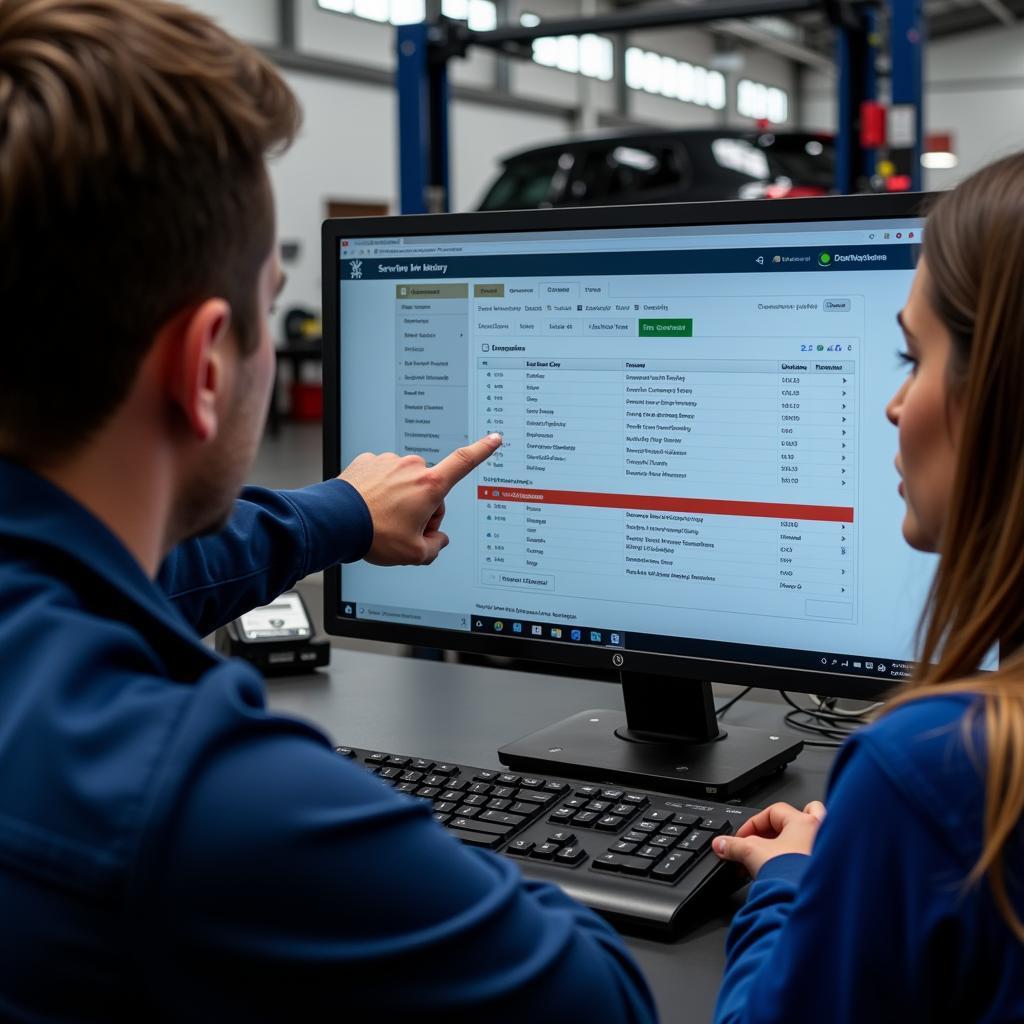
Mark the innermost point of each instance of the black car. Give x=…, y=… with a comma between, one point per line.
x=667, y=166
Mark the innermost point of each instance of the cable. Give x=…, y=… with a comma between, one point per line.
x=729, y=703
x=833, y=724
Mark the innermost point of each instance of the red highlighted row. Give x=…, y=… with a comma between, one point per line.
x=659, y=503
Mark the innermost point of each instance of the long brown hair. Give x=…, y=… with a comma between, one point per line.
x=974, y=251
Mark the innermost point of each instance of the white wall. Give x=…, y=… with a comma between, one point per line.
x=974, y=89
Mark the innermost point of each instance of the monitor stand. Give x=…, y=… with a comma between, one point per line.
x=668, y=739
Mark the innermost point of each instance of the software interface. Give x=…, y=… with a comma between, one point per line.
x=696, y=458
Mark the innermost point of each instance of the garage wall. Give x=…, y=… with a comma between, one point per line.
x=348, y=145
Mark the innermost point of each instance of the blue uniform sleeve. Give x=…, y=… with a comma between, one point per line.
x=273, y=539
x=293, y=885
x=870, y=927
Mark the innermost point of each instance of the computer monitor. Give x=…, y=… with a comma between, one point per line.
x=696, y=481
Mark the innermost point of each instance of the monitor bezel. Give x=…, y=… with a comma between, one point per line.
x=567, y=653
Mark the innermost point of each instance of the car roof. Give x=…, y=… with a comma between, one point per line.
x=656, y=135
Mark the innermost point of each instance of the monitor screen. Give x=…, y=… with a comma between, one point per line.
x=697, y=471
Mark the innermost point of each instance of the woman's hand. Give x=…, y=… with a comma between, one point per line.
x=778, y=829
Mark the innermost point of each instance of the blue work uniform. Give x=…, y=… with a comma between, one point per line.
x=172, y=850
x=878, y=923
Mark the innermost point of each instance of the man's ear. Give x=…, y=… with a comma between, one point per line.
x=195, y=369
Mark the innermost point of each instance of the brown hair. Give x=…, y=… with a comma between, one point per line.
x=974, y=251
x=132, y=184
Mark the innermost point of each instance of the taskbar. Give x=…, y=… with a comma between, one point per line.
x=830, y=662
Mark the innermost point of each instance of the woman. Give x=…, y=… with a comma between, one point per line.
x=911, y=906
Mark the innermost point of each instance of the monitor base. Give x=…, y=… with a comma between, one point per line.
x=591, y=745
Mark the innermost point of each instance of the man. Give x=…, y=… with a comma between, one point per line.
x=170, y=850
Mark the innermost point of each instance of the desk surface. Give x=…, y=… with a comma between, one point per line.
x=462, y=713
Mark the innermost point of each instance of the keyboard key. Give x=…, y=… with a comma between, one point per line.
x=475, y=838
x=428, y=791
x=445, y=806
x=396, y=761
x=669, y=869
x=451, y=794
x=555, y=787
x=493, y=828
x=455, y=784
x=531, y=782
x=562, y=814
x=575, y=801
x=500, y=817
x=485, y=776
x=420, y=765
x=623, y=809
x=584, y=818
x=532, y=796
x=635, y=798
x=563, y=838
x=474, y=800
x=696, y=840
x=598, y=805
x=521, y=808
x=507, y=779
x=663, y=841
x=406, y=787
x=588, y=791
x=480, y=787
x=544, y=851
x=498, y=805
x=646, y=826
x=686, y=820
x=345, y=751
x=717, y=823
x=673, y=830
x=519, y=847
x=376, y=758
x=650, y=852
x=634, y=865
x=435, y=780
x=441, y=817
x=635, y=837
x=467, y=812
x=658, y=816
x=503, y=792
x=390, y=773
x=411, y=776
x=607, y=862
x=622, y=847
x=570, y=855
x=611, y=794
x=445, y=769
x=608, y=823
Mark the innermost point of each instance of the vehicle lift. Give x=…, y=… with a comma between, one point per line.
x=425, y=49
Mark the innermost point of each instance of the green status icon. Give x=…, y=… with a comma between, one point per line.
x=824, y=258
x=821, y=348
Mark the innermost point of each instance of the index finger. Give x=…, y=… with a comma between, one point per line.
x=768, y=822
x=463, y=461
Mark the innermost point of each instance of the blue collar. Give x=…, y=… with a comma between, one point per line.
x=44, y=523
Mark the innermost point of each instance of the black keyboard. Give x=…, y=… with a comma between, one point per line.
x=641, y=859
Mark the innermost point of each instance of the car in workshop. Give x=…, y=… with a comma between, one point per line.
x=666, y=166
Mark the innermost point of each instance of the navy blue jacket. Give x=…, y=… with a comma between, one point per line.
x=878, y=924
x=171, y=850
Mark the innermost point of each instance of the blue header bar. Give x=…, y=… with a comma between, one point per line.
x=821, y=259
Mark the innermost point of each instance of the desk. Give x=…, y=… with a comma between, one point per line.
x=464, y=713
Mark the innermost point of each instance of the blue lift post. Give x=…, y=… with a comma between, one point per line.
x=906, y=41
